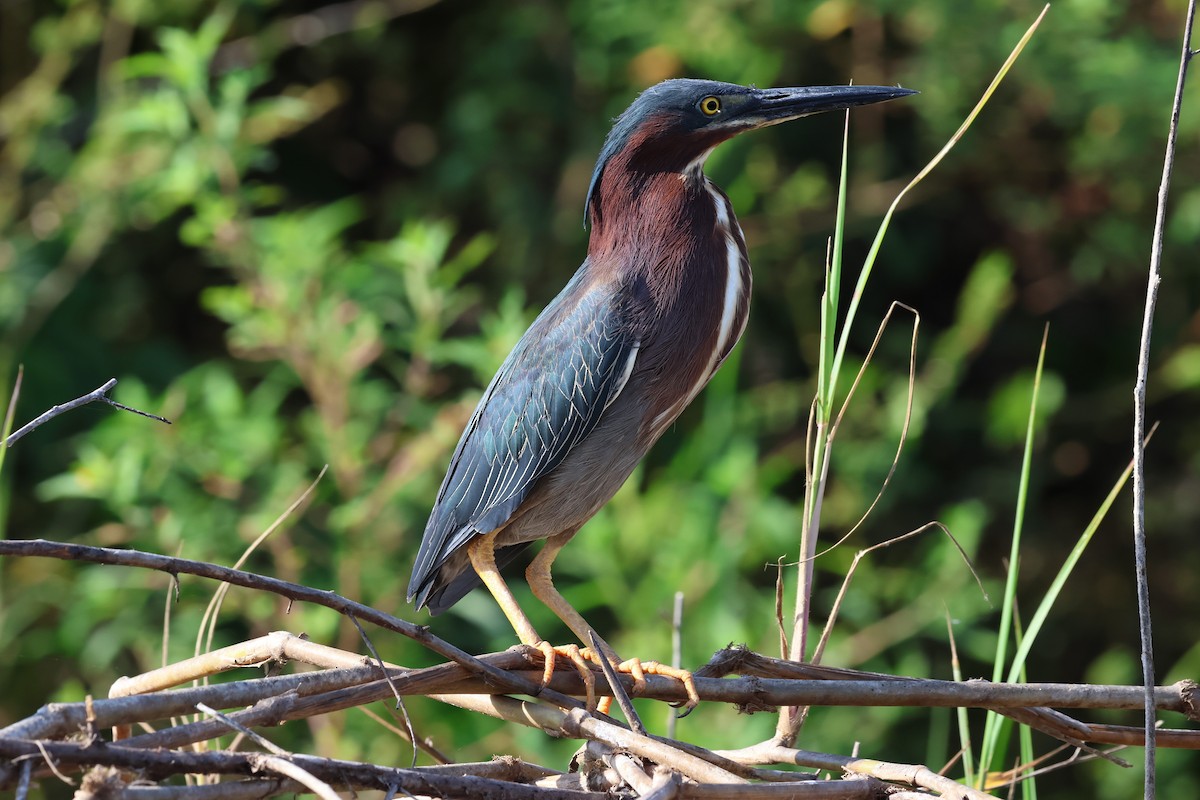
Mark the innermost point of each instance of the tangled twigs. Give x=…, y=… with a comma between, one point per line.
x=615, y=759
x=97, y=395
x=163, y=763
x=292, y=591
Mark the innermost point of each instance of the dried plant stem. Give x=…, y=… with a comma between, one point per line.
x=293, y=591
x=1139, y=404
x=649, y=765
x=97, y=395
x=160, y=763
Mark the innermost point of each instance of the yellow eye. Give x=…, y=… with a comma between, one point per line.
x=710, y=106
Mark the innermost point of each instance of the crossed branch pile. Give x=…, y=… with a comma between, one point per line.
x=72, y=737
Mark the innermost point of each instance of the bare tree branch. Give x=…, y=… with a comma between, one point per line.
x=648, y=765
x=97, y=395
x=293, y=591
x=1139, y=405
x=157, y=764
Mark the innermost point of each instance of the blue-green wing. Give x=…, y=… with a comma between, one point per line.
x=547, y=397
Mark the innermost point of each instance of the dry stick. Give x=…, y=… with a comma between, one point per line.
x=409, y=732
x=52, y=766
x=26, y=775
x=618, y=691
x=666, y=785
x=249, y=789
x=70, y=716
x=500, y=768
x=606, y=731
x=1074, y=759
x=850, y=789
x=908, y=405
x=676, y=654
x=418, y=633
x=290, y=770
x=770, y=682
x=281, y=706
x=277, y=647
x=629, y=770
x=279, y=761
x=166, y=763
x=911, y=774
x=858, y=557
x=1019, y=701
x=1139, y=405
x=233, y=724
x=1052, y=722
x=415, y=682
x=578, y=724
x=667, y=686
x=421, y=781
x=425, y=743
x=96, y=395
x=745, y=693
x=875, y=690
x=446, y=681
x=795, y=717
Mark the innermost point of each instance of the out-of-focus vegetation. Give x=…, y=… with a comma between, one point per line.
x=308, y=234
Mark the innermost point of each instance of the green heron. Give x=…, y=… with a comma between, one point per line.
x=658, y=304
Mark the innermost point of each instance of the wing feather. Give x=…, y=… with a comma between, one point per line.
x=547, y=397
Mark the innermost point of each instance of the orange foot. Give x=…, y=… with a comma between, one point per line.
x=635, y=668
x=578, y=657
x=638, y=670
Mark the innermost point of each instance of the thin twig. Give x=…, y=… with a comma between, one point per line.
x=614, y=683
x=98, y=395
x=841, y=595
x=291, y=770
x=26, y=775
x=408, y=726
x=156, y=763
x=259, y=739
x=325, y=691
x=293, y=591
x=676, y=654
x=1139, y=405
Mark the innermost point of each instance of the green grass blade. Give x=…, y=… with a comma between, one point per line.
x=869, y=263
x=10, y=413
x=832, y=296
x=992, y=725
x=1025, y=735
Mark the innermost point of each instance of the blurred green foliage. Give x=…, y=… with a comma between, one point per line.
x=309, y=233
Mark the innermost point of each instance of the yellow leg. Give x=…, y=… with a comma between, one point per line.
x=482, y=552
x=538, y=576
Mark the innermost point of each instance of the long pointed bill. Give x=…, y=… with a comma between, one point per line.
x=772, y=106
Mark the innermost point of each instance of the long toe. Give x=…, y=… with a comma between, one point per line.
x=640, y=669
x=576, y=657
x=550, y=654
